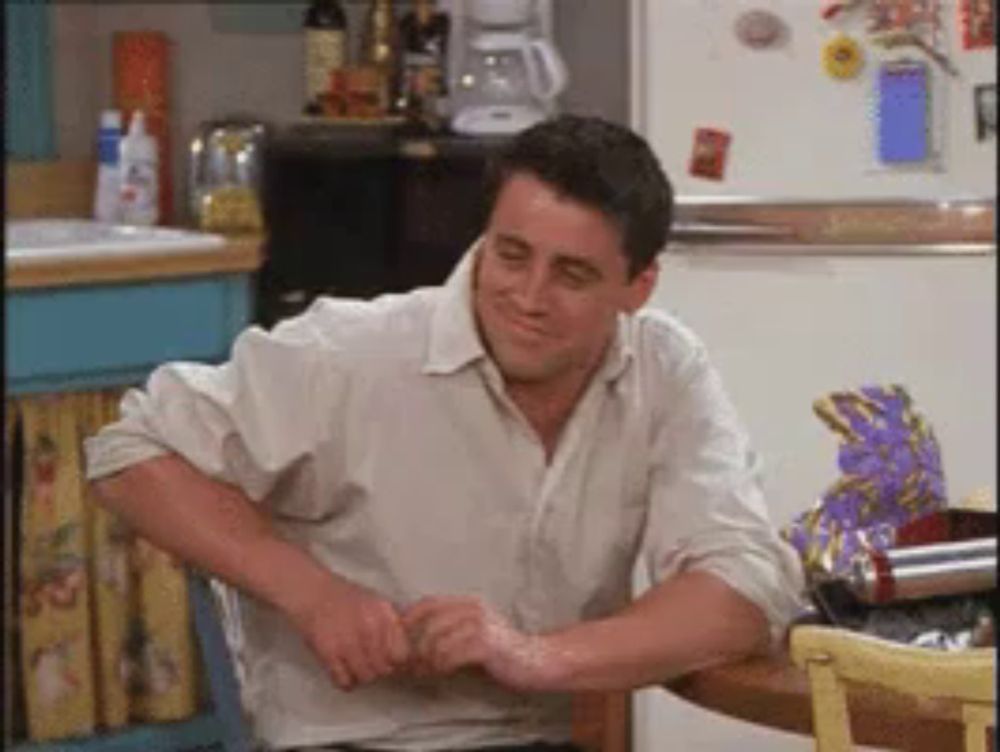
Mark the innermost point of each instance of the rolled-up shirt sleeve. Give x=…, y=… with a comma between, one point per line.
x=243, y=422
x=707, y=508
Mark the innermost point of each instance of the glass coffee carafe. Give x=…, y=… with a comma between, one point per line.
x=508, y=82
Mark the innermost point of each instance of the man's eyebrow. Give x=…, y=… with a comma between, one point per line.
x=514, y=240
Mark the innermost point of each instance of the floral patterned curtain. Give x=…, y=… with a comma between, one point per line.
x=104, y=623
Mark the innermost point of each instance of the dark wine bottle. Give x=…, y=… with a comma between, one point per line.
x=423, y=37
x=380, y=49
x=326, y=49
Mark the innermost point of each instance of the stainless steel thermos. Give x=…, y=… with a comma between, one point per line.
x=924, y=571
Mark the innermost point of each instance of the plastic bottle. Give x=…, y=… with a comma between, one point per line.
x=139, y=166
x=106, y=195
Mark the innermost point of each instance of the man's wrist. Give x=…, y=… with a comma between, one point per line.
x=550, y=663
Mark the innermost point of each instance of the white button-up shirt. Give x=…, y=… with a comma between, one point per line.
x=380, y=437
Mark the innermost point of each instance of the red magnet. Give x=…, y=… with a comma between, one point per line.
x=708, y=157
x=976, y=19
x=830, y=9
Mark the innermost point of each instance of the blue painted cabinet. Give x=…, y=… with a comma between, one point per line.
x=90, y=336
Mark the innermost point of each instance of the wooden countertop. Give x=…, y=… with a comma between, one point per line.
x=240, y=255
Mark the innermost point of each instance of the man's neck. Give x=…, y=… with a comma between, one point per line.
x=548, y=405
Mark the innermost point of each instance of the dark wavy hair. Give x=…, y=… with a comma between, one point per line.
x=600, y=164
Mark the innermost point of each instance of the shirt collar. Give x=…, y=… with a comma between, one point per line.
x=454, y=337
x=621, y=351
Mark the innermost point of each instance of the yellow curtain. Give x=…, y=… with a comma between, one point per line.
x=105, y=626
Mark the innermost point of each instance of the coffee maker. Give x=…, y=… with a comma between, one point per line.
x=504, y=71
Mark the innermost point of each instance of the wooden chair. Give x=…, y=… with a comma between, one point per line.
x=232, y=730
x=832, y=657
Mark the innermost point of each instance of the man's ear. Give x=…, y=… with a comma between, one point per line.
x=641, y=287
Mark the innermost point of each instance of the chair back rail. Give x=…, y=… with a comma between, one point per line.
x=833, y=657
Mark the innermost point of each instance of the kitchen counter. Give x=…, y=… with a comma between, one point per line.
x=239, y=255
x=109, y=304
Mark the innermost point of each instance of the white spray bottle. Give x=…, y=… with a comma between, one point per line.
x=139, y=196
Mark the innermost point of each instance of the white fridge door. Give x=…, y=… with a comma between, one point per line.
x=784, y=331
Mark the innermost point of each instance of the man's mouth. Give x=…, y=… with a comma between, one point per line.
x=523, y=328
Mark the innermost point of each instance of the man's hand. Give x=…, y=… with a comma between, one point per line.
x=453, y=632
x=357, y=634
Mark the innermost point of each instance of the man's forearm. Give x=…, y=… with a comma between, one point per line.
x=688, y=622
x=215, y=527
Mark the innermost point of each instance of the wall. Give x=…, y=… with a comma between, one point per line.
x=213, y=74
x=221, y=73
x=593, y=37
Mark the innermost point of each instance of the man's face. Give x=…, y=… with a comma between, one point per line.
x=551, y=278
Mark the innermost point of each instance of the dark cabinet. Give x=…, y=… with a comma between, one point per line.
x=356, y=212
x=440, y=210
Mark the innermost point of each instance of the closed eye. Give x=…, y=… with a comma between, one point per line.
x=577, y=273
x=511, y=249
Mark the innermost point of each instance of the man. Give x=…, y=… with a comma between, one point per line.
x=432, y=502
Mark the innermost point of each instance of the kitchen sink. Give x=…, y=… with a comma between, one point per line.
x=45, y=240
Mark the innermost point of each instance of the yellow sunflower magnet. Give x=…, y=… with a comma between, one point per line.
x=842, y=57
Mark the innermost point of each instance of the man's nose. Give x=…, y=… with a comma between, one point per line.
x=533, y=289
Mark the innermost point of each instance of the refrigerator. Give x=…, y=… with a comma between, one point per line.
x=808, y=261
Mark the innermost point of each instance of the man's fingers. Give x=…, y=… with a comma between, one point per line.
x=436, y=626
x=419, y=611
x=395, y=643
x=435, y=635
x=364, y=649
x=427, y=607
x=362, y=664
x=459, y=647
x=385, y=643
x=341, y=676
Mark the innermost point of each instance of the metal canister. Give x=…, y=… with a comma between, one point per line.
x=925, y=571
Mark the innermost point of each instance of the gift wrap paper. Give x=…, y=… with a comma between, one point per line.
x=890, y=473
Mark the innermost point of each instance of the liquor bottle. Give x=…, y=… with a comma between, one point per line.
x=379, y=49
x=326, y=49
x=423, y=37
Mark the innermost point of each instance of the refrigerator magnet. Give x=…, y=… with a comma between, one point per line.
x=977, y=23
x=985, y=98
x=842, y=57
x=903, y=112
x=760, y=29
x=708, y=155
